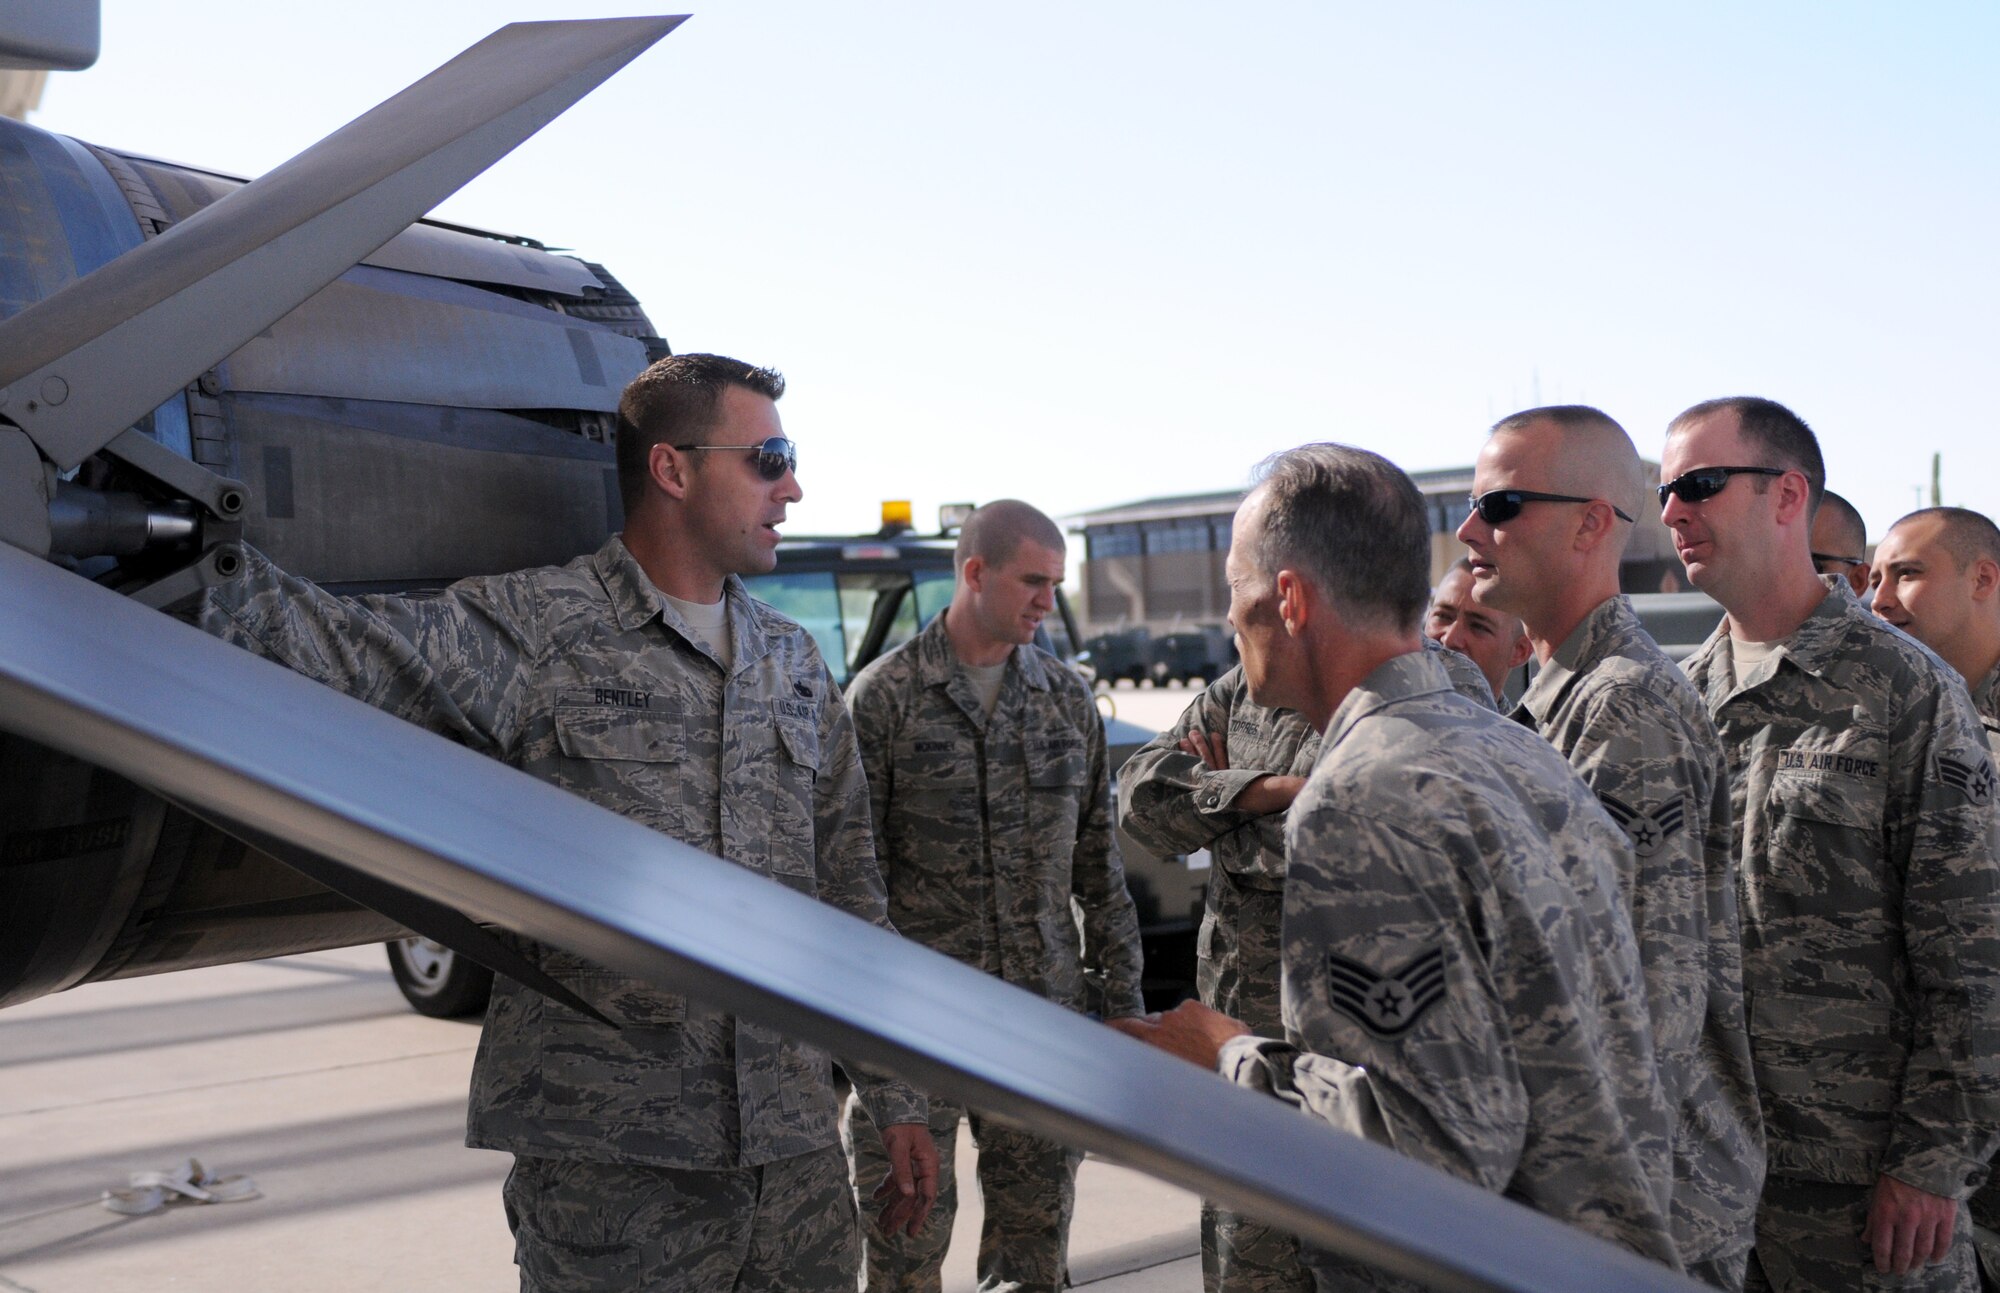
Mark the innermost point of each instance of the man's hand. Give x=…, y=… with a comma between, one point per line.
x=1268, y=794
x=1908, y=1228
x=912, y=1185
x=1190, y=1030
x=1210, y=747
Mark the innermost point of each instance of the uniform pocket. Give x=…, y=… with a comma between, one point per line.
x=1831, y=1072
x=1058, y=776
x=636, y=736
x=1824, y=858
x=794, y=859
x=631, y=761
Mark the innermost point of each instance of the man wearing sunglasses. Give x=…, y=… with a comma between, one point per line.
x=684, y=1149
x=989, y=788
x=1555, y=489
x=1840, y=542
x=1865, y=831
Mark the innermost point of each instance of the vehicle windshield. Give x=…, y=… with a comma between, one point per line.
x=847, y=611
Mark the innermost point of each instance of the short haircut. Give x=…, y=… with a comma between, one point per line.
x=994, y=532
x=1967, y=535
x=1775, y=431
x=1353, y=523
x=1597, y=459
x=674, y=402
x=1853, y=529
x=1567, y=416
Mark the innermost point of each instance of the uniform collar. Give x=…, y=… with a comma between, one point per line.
x=635, y=601
x=1986, y=697
x=1415, y=673
x=1589, y=643
x=1812, y=646
x=937, y=662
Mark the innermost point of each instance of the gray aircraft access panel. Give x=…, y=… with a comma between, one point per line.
x=242, y=740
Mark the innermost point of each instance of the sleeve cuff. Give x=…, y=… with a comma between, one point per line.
x=888, y=1100
x=1934, y=1169
x=1216, y=791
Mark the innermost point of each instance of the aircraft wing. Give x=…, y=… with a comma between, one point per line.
x=95, y=675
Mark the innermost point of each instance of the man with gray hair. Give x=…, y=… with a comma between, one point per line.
x=1222, y=778
x=990, y=793
x=1461, y=982
x=1554, y=493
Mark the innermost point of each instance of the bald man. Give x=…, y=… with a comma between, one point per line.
x=990, y=793
x=1840, y=543
x=1493, y=640
x=1555, y=493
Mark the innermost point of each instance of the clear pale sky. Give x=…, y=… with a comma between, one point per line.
x=1085, y=253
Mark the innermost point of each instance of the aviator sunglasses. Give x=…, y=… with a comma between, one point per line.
x=772, y=459
x=1704, y=483
x=1499, y=506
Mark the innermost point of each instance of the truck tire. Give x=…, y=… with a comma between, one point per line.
x=437, y=981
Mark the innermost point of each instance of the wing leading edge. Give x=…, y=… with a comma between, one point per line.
x=100, y=677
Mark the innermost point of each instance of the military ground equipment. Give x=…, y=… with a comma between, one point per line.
x=144, y=434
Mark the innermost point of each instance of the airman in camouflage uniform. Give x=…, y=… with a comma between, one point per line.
x=992, y=822
x=1862, y=795
x=1636, y=732
x=1461, y=981
x=1491, y=639
x=1173, y=800
x=1937, y=578
x=687, y=1149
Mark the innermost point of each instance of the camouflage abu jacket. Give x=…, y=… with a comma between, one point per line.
x=583, y=676
x=1461, y=979
x=1172, y=803
x=1634, y=728
x=1862, y=794
x=995, y=834
x=1986, y=700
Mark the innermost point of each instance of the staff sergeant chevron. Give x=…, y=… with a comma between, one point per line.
x=1387, y=1005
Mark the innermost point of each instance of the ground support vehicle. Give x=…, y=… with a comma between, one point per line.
x=1125, y=655
x=1196, y=656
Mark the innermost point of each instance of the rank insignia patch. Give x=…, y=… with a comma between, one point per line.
x=1648, y=828
x=1387, y=1005
x=1973, y=780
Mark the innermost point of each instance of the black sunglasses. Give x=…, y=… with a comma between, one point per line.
x=1499, y=506
x=1828, y=559
x=772, y=459
x=1704, y=483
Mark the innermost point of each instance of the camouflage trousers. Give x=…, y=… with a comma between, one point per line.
x=1239, y=1255
x=1026, y=1184
x=1809, y=1241
x=586, y=1227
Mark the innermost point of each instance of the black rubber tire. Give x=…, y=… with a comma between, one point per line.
x=438, y=982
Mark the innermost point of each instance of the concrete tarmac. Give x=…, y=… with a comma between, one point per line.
x=312, y=1075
